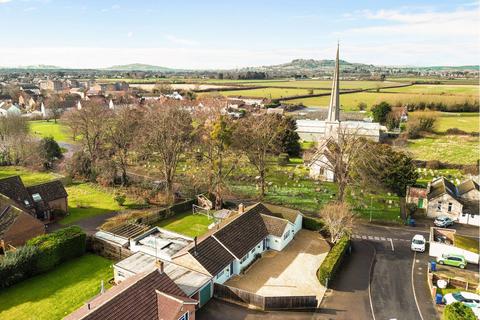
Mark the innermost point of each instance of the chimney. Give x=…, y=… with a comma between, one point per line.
x=159, y=265
x=195, y=248
x=241, y=208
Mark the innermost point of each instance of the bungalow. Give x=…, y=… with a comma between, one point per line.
x=40, y=200
x=16, y=225
x=150, y=295
x=235, y=243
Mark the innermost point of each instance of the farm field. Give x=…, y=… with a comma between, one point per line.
x=58, y=131
x=450, y=148
x=350, y=101
x=327, y=84
x=57, y=293
x=270, y=93
x=469, y=81
x=187, y=223
x=469, y=90
x=466, y=121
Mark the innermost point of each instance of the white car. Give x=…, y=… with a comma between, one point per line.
x=443, y=222
x=471, y=300
x=418, y=243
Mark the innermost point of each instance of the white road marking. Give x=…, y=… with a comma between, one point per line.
x=382, y=238
x=364, y=237
x=413, y=286
x=391, y=242
x=370, y=237
x=376, y=238
x=370, y=281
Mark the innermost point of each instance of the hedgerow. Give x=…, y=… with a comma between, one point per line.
x=332, y=261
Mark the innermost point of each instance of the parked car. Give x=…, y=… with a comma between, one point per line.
x=443, y=221
x=418, y=243
x=454, y=260
x=471, y=300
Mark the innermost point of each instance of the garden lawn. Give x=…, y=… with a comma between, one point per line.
x=29, y=177
x=467, y=243
x=466, y=121
x=57, y=293
x=187, y=223
x=58, y=131
x=87, y=200
x=446, y=148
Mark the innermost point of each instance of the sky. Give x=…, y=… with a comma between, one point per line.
x=227, y=34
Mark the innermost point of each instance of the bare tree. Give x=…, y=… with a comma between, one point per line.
x=89, y=123
x=166, y=133
x=55, y=103
x=15, y=141
x=120, y=134
x=340, y=155
x=214, y=137
x=257, y=136
x=338, y=219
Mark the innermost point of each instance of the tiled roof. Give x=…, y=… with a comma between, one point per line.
x=467, y=186
x=275, y=226
x=441, y=186
x=14, y=188
x=244, y=232
x=135, y=298
x=211, y=255
x=417, y=192
x=281, y=212
x=8, y=214
x=49, y=191
x=170, y=306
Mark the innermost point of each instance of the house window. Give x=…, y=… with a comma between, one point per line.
x=244, y=258
x=450, y=207
x=439, y=206
x=220, y=274
x=36, y=197
x=285, y=236
x=322, y=171
x=184, y=317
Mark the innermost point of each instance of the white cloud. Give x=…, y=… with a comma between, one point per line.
x=182, y=41
x=4, y=1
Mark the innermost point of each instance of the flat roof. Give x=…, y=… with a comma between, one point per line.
x=188, y=280
x=160, y=242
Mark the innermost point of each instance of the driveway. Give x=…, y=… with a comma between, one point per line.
x=291, y=272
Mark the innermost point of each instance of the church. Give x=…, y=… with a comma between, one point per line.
x=325, y=132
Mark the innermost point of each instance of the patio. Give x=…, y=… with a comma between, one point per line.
x=291, y=272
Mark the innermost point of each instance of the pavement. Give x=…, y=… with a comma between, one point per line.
x=291, y=272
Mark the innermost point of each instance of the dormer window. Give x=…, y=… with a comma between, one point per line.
x=36, y=197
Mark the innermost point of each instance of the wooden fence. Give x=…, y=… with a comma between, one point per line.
x=249, y=299
x=455, y=282
x=157, y=215
x=107, y=249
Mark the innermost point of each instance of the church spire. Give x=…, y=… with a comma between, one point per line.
x=334, y=107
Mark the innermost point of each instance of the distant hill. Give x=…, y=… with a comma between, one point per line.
x=35, y=67
x=138, y=67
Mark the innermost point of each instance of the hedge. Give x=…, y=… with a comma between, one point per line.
x=458, y=310
x=59, y=246
x=41, y=254
x=332, y=261
x=310, y=223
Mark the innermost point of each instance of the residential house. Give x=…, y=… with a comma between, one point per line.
x=150, y=296
x=236, y=242
x=443, y=198
x=51, y=85
x=16, y=225
x=39, y=200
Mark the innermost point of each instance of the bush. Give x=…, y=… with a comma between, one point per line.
x=120, y=199
x=380, y=112
x=332, y=261
x=457, y=311
x=313, y=224
x=433, y=164
x=57, y=247
x=455, y=131
x=18, y=265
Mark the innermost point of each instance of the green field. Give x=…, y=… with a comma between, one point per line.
x=350, y=101
x=187, y=223
x=270, y=93
x=468, y=122
x=469, y=90
x=57, y=293
x=452, y=149
x=29, y=177
x=326, y=84
x=58, y=131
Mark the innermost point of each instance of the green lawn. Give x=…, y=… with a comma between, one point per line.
x=466, y=121
x=290, y=186
x=58, y=131
x=187, y=223
x=452, y=149
x=87, y=200
x=467, y=243
x=350, y=101
x=29, y=177
x=57, y=293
